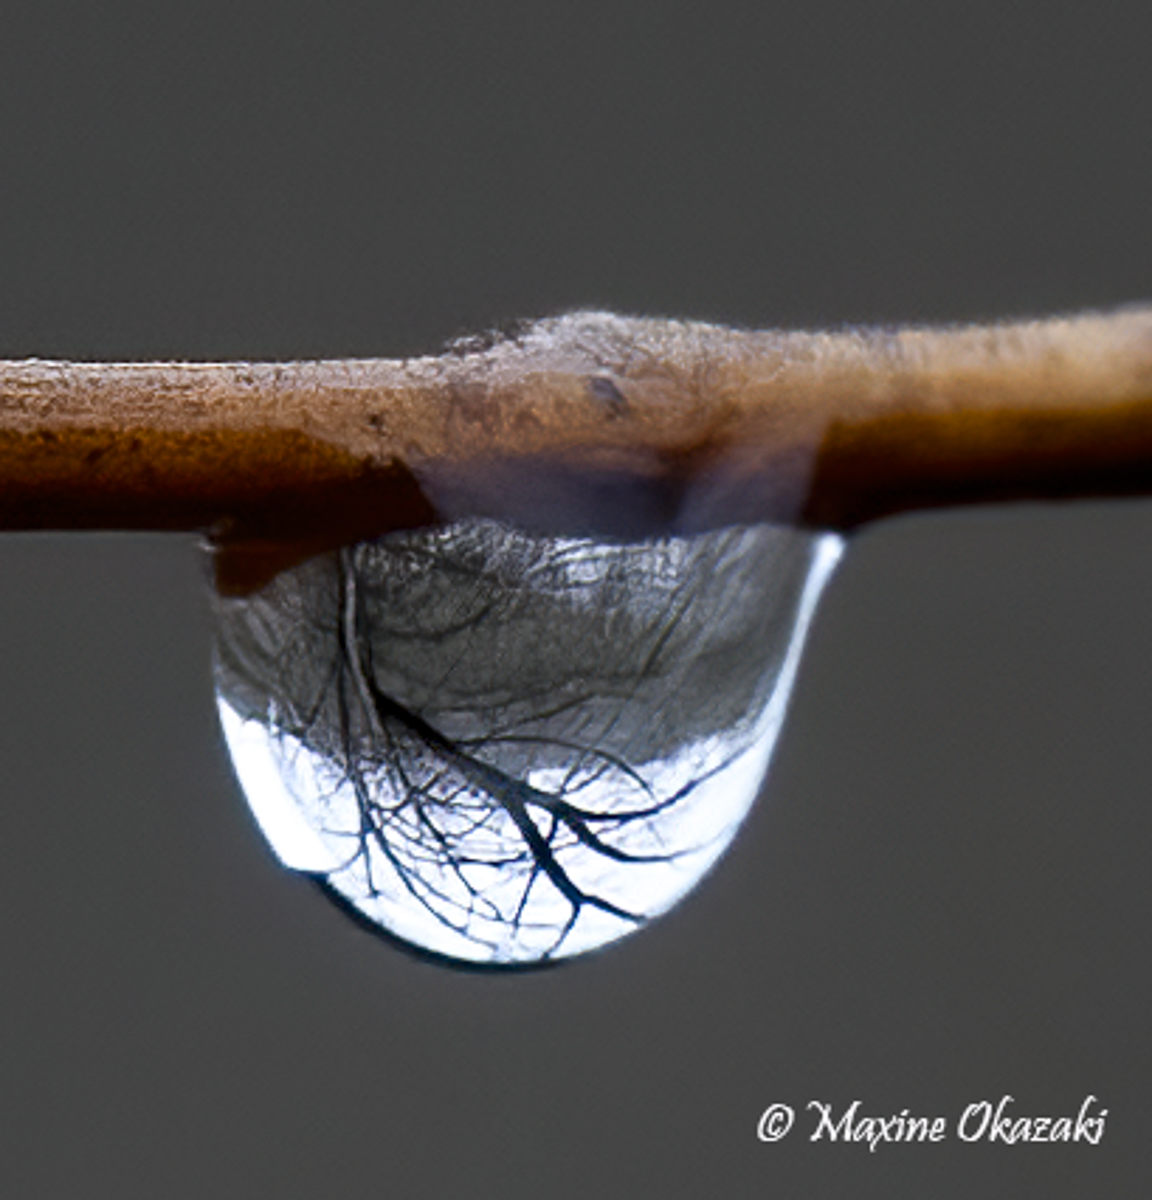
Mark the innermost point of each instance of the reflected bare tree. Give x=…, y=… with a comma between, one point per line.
x=519, y=747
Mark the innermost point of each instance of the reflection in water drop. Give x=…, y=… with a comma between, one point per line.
x=504, y=748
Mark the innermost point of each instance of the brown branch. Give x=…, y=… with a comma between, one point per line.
x=587, y=421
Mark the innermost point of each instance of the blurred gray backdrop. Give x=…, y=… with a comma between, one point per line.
x=942, y=895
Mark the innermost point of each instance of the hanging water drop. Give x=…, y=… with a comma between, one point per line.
x=504, y=748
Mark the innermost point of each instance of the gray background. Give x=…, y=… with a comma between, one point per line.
x=943, y=895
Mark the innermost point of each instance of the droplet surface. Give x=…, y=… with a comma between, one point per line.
x=505, y=748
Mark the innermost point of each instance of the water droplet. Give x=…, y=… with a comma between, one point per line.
x=505, y=748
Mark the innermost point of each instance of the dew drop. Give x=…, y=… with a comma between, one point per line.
x=504, y=748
